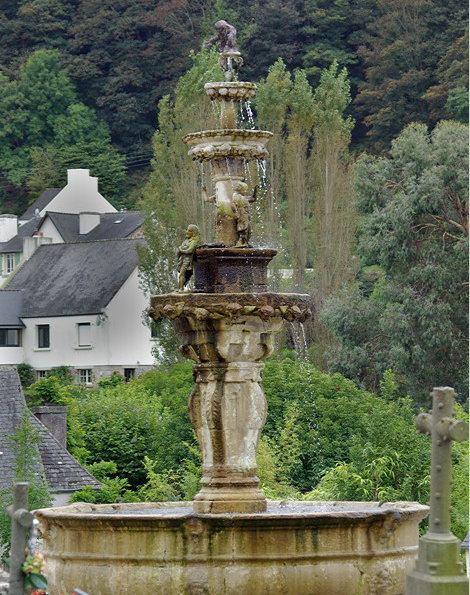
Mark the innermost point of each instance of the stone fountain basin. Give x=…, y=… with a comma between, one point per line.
x=213, y=145
x=294, y=548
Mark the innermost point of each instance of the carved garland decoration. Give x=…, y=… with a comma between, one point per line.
x=230, y=311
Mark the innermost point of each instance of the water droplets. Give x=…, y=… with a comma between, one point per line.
x=246, y=119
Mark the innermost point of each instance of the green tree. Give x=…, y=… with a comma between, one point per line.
x=326, y=30
x=415, y=228
x=401, y=50
x=44, y=130
x=449, y=97
x=80, y=141
x=298, y=189
x=334, y=216
x=24, y=442
x=172, y=198
x=125, y=56
x=147, y=416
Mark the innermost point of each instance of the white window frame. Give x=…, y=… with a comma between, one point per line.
x=85, y=376
x=9, y=263
x=41, y=374
x=83, y=339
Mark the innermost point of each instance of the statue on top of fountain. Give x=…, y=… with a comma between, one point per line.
x=226, y=41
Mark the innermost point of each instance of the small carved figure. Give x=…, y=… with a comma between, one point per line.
x=241, y=211
x=226, y=41
x=226, y=38
x=186, y=256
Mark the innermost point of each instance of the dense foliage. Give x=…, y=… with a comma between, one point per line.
x=415, y=229
x=45, y=129
x=407, y=61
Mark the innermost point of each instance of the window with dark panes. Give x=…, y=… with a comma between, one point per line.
x=9, y=337
x=43, y=336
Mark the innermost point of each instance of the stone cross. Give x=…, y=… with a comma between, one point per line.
x=438, y=569
x=21, y=520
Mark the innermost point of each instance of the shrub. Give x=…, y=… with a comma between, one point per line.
x=26, y=374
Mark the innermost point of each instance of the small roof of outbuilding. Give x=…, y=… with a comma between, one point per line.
x=61, y=470
x=11, y=303
x=464, y=544
x=74, y=279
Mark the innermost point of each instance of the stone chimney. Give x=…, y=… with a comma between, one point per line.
x=32, y=243
x=54, y=417
x=8, y=227
x=88, y=221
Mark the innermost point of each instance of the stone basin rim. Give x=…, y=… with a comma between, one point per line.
x=352, y=510
x=228, y=132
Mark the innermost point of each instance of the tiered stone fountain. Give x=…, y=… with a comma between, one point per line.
x=230, y=540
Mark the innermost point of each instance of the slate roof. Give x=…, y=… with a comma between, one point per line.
x=74, y=279
x=10, y=308
x=11, y=408
x=62, y=471
x=67, y=225
x=42, y=201
x=114, y=225
x=16, y=243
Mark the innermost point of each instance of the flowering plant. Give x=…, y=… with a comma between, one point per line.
x=33, y=567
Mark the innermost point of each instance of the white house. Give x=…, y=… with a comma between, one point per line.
x=79, y=305
x=77, y=212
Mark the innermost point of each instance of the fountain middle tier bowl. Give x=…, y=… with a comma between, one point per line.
x=231, y=306
x=293, y=548
x=229, y=143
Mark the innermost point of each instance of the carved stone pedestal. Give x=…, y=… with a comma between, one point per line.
x=228, y=336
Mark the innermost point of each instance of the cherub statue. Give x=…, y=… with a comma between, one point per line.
x=226, y=41
x=226, y=38
x=241, y=211
x=186, y=256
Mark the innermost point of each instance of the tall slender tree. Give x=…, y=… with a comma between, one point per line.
x=334, y=217
x=298, y=188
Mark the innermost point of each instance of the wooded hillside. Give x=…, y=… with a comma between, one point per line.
x=113, y=61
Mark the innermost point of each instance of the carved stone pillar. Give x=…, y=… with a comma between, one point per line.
x=228, y=336
x=228, y=408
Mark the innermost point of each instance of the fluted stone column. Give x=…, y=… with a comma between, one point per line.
x=227, y=407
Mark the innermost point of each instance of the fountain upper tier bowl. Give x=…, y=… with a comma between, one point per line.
x=213, y=145
x=230, y=91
